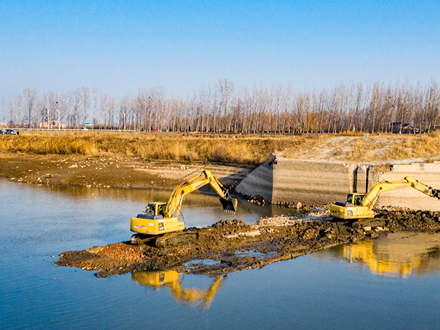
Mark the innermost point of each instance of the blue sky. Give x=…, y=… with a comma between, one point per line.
x=121, y=46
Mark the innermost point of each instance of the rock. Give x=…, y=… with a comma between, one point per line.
x=329, y=236
x=309, y=234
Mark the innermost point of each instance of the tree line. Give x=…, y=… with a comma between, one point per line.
x=221, y=107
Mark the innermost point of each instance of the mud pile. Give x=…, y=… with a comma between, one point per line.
x=231, y=246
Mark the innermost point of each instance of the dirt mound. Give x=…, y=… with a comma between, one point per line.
x=231, y=225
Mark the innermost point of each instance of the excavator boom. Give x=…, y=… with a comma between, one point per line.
x=175, y=201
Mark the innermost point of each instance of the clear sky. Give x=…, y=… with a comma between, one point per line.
x=121, y=46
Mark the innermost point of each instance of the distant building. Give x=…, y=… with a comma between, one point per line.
x=89, y=125
x=3, y=125
x=53, y=124
x=406, y=127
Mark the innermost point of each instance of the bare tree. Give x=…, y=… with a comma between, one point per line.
x=226, y=90
x=95, y=105
x=85, y=93
x=30, y=97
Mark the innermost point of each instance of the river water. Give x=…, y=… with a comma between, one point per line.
x=390, y=283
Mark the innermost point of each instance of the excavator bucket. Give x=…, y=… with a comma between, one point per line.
x=229, y=204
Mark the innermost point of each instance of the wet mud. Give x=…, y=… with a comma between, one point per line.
x=232, y=246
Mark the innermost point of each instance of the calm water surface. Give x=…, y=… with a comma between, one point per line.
x=391, y=283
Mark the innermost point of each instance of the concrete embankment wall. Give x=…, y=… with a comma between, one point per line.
x=307, y=182
x=282, y=180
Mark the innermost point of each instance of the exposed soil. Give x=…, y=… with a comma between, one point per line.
x=231, y=246
x=111, y=171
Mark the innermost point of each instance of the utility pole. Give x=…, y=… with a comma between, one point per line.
x=48, y=120
x=59, y=123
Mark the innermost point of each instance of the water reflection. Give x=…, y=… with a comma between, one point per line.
x=171, y=279
x=398, y=254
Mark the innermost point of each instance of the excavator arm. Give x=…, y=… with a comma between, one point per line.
x=371, y=197
x=175, y=202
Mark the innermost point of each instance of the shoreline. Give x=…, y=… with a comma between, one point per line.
x=114, y=171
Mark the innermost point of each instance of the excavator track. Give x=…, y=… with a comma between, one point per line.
x=138, y=239
x=165, y=240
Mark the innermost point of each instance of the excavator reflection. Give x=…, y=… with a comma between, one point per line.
x=398, y=254
x=170, y=278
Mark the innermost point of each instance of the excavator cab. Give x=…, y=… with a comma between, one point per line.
x=355, y=199
x=156, y=208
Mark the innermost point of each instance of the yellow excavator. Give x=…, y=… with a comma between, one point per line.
x=360, y=206
x=162, y=218
x=171, y=278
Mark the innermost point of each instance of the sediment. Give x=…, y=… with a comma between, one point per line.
x=232, y=246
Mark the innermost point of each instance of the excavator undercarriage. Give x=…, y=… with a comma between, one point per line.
x=165, y=240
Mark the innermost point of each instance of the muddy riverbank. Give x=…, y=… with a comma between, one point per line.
x=232, y=246
x=107, y=171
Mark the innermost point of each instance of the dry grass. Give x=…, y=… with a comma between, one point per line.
x=237, y=151
x=420, y=146
x=374, y=148
x=240, y=150
x=51, y=145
